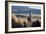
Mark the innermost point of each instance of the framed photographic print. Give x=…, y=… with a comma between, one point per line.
x=24, y=16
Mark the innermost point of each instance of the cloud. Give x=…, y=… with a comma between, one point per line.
x=35, y=7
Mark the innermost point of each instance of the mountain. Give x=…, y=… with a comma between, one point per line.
x=25, y=10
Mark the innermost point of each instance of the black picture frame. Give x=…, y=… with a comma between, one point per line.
x=6, y=16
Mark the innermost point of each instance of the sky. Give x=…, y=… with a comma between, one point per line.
x=26, y=10
x=35, y=7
